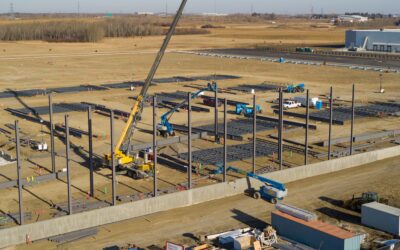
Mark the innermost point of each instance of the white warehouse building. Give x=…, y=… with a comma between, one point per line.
x=384, y=40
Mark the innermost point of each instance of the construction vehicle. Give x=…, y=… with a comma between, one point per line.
x=243, y=109
x=121, y=153
x=271, y=191
x=39, y=146
x=211, y=102
x=291, y=104
x=355, y=203
x=299, y=88
x=164, y=128
x=304, y=50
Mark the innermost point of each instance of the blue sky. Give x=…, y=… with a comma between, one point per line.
x=199, y=6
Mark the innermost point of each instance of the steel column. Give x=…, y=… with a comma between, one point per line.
x=189, y=169
x=91, y=170
x=254, y=134
x=352, y=120
x=330, y=123
x=216, y=115
x=307, y=127
x=67, y=151
x=19, y=176
x=52, y=144
x=280, y=132
x=155, y=185
x=225, y=138
x=113, y=186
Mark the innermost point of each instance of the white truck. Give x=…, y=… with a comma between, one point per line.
x=291, y=104
x=303, y=100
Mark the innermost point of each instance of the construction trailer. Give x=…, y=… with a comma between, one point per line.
x=314, y=233
x=381, y=217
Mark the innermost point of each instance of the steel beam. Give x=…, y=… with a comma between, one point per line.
x=91, y=170
x=113, y=186
x=352, y=120
x=225, y=138
x=307, y=127
x=254, y=134
x=330, y=123
x=216, y=115
x=67, y=152
x=19, y=176
x=189, y=169
x=155, y=184
x=280, y=132
x=52, y=144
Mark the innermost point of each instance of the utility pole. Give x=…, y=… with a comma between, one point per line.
x=12, y=14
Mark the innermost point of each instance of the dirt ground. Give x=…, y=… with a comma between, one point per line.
x=29, y=65
x=317, y=194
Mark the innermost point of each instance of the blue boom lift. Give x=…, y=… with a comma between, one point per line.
x=299, y=88
x=243, y=109
x=164, y=128
x=271, y=191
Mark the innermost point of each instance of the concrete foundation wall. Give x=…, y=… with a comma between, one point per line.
x=45, y=229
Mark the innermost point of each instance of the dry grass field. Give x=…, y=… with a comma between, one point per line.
x=37, y=64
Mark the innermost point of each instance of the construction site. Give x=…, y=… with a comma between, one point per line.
x=241, y=138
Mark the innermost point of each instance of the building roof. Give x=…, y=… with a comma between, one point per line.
x=320, y=226
x=384, y=208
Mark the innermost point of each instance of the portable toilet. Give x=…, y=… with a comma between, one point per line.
x=319, y=105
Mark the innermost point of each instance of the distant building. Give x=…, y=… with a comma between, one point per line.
x=214, y=14
x=384, y=40
x=352, y=19
x=145, y=13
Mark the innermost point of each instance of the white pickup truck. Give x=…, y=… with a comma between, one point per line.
x=290, y=104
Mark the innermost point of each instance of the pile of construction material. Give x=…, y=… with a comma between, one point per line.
x=244, y=239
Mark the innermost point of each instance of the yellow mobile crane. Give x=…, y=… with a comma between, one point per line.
x=125, y=161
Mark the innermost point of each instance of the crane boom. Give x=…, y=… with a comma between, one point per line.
x=124, y=141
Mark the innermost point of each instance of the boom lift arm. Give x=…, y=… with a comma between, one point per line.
x=165, y=128
x=121, y=150
x=271, y=191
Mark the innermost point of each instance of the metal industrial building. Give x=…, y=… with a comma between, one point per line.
x=384, y=40
x=316, y=234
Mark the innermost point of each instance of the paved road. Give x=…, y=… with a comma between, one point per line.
x=317, y=194
x=391, y=64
